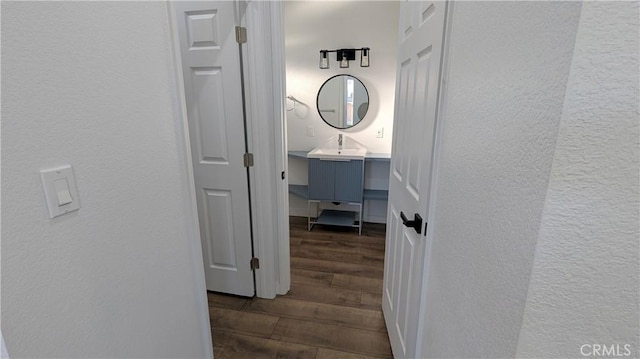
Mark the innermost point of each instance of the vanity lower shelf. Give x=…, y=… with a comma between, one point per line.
x=334, y=217
x=369, y=194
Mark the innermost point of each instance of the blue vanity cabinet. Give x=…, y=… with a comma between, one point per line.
x=341, y=181
x=349, y=181
x=321, y=179
x=336, y=181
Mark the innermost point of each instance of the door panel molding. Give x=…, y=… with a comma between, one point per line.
x=202, y=29
x=219, y=216
x=203, y=79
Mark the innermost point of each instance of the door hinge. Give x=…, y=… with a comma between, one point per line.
x=241, y=34
x=248, y=159
x=255, y=263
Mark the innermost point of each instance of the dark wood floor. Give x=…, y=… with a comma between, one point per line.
x=332, y=311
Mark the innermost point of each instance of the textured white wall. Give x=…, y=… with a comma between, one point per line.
x=507, y=75
x=92, y=84
x=584, y=285
x=314, y=25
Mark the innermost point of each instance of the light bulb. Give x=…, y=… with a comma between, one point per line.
x=344, y=63
x=364, y=59
x=324, y=60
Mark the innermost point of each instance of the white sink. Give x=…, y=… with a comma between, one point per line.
x=337, y=154
x=350, y=150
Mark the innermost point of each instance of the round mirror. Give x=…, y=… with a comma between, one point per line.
x=342, y=101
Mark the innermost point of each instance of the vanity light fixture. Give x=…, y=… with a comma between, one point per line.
x=343, y=56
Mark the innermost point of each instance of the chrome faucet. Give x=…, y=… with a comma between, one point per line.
x=340, y=141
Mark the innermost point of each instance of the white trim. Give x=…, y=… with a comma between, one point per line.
x=444, y=74
x=279, y=91
x=264, y=95
x=191, y=211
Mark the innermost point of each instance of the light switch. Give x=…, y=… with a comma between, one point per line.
x=60, y=190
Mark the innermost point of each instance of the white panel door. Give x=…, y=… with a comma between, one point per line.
x=213, y=91
x=421, y=33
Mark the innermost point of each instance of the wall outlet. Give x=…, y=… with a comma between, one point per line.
x=380, y=132
x=310, y=132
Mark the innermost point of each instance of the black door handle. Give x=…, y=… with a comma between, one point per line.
x=415, y=224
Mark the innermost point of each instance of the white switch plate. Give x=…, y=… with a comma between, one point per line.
x=380, y=132
x=59, y=184
x=310, y=132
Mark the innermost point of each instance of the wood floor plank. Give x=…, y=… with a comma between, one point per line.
x=335, y=354
x=373, y=261
x=218, y=352
x=320, y=312
x=297, y=221
x=217, y=343
x=315, y=235
x=238, y=346
x=371, y=232
x=242, y=322
x=333, y=337
x=294, y=241
x=336, y=267
x=329, y=295
x=364, y=248
x=306, y=251
x=371, y=301
x=311, y=277
x=225, y=301
x=333, y=310
x=373, y=285
x=351, y=237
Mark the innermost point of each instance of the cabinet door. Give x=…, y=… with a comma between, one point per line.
x=349, y=180
x=321, y=179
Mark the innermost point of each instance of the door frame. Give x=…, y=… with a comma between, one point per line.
x=264, y=92
x=437, y=146
x=184, y=151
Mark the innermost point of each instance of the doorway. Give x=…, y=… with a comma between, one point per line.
x=261, y=77
x=368, y=24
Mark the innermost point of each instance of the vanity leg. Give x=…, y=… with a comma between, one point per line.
x=308, y=216
x=309, y=222
x=360, y=222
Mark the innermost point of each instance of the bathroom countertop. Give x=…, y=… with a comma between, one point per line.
x=382, y=157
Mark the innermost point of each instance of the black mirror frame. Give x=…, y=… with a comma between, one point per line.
x=318, y=98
